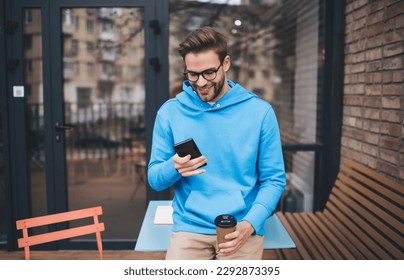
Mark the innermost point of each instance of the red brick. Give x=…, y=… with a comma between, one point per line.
x=392, y=37
x=370, y=149
x=374, y=54
x=370, y=138
x=353, y=100
x=391, y=102
x=373, y=126
x=359, y=67
x=394, y=10
x=391, y=129
x=388, y=169
x=389, y=143
x=358, y=24
x=359, y=46
x=358, y=88
x=377, y=77
x=398, y=76
x=374, y=89
x=375, y=41
x=393, y=49
x=361, y=78
x=361, y=12
x=355, y=145
x=373, y=114
x=399, y=21
x=369, y=161
x=393, y=89
x=349, y=8
x=374, y=18
x=373, y=101
x=374, y=66
x=358, y=57
x=393, y=63
x=387, y=77
x=355, y=111
x=375, y=6
x=391, y=116
x=359, y=3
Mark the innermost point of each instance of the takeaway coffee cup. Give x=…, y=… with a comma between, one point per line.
x=225, y=224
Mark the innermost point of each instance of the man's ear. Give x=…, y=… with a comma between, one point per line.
x=226, y=63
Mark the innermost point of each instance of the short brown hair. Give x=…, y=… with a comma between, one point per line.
x=204, y=38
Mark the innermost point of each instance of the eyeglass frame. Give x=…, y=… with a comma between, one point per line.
x=202, y=73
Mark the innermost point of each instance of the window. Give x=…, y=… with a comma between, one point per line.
x=83, y=97
x=28, y=66
x=90, y=47
x=89, y=25
x=27, y=41
x=27, y=16
x=75, y=46
x=90, y=69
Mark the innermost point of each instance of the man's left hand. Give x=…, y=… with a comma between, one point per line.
x=236, y=239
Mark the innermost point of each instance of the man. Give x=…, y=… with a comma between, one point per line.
x=238, y=135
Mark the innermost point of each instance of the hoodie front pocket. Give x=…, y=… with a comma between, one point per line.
x=203, y=207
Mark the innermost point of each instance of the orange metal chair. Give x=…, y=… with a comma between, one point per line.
x=95, y=227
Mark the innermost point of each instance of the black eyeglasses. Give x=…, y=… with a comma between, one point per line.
x=208, y=75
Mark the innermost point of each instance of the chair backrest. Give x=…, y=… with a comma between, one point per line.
x=96, y=227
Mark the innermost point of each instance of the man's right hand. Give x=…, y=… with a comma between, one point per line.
x=189, y=167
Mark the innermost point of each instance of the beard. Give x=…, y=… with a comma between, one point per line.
x=205, y=93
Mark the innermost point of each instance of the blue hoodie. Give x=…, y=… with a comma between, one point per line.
x=240, y=138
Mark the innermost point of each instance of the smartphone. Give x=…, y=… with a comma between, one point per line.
x=187, y=147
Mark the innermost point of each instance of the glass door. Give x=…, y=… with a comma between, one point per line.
x=104, y=114
x=91, y=82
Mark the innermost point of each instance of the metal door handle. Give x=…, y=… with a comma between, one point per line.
x=65, y=126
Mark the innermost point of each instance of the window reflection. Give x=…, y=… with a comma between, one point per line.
x=104, y=99
x=274, y=45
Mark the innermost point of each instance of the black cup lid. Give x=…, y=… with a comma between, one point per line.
x=225, y=221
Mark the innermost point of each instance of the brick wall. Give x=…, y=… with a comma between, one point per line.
x=373, y=112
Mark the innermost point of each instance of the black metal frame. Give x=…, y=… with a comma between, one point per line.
x=327, y=162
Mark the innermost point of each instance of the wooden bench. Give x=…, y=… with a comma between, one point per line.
x=30, y=240
x=362, y=219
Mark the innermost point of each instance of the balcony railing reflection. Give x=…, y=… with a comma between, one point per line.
x=100, y=130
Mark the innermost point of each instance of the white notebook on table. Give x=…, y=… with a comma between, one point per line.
x=163, y=215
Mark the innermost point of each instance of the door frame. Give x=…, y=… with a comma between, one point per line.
x=156, y=85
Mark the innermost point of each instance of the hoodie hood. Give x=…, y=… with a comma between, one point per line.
x=236, y=94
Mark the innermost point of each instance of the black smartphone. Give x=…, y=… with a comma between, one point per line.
x=187, y=147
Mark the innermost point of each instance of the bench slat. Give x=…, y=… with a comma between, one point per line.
x=325, y=241
x=308, y=238
x=347, y=219
x=370, y=184
x=301, y=248
x=383, y=203
x=379, y=223
x=333, y=245
x=375, y=176
x=360, y=216
x=343, y=244
x=346, y=227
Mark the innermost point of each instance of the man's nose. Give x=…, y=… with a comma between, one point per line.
x=201, y=81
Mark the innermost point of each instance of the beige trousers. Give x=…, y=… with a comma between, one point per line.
x=193, y=246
